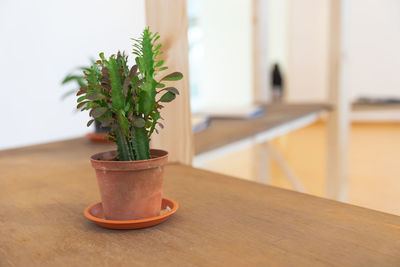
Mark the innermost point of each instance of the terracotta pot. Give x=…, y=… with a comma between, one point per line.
x=130, y=190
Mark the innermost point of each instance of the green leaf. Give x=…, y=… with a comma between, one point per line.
x=162, y=68
x=167, y=97
x=160, y=85
x=155, y=117
x=139, y=123
x=68, y=93
x=80, y=99
x=158, y=47
x=70, y=78
x=155, y=40
x=154, y=35
x=159, y=63
x=175, y=76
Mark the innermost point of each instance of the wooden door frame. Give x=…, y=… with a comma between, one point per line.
x=169, y=18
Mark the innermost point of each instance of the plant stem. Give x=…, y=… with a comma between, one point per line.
x=123, y=146
x=140, y=143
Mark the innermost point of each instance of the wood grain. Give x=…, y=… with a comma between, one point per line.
x=222, y=221
x=224, y=131
x=170, y=20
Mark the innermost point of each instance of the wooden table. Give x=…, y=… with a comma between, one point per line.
x=222, y=221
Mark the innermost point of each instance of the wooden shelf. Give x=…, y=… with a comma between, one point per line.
x=222, y=132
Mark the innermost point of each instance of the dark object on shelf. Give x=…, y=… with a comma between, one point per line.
x=277, y=84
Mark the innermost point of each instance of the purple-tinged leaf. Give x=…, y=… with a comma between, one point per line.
x=81, y=104
x=167, y=97
x=89, y=123
x=175, y=76
x=95, y=96
x=106, y=122
x=170, y=89
x=99, y=112
x=139, y=123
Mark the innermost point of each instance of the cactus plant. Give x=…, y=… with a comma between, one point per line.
x=128, y=99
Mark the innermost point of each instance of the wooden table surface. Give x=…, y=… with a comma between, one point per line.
x=222, y=221
x=225, y=131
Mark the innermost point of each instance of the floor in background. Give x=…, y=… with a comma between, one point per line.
x=374, y=170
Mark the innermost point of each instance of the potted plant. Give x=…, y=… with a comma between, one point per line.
x=128, y=100
x=78, y=80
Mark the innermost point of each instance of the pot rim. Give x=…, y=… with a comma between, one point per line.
x=160, y=159
x=130, y=161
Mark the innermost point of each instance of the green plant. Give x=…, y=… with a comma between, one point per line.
x=75, y=78
x=128, y=100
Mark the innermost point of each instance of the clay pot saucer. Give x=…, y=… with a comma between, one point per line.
x=95, y=213
x=98, y=137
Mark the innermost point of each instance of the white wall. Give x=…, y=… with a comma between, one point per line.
x=374, y=52
x=307, y=78
x=278, y=20
x=227, y=66
x=41, y=41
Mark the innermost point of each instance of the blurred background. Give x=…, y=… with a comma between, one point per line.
x=43, y=41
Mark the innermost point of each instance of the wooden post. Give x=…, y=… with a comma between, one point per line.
x=260, y=60
x=170, y=20
x=338, y=119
